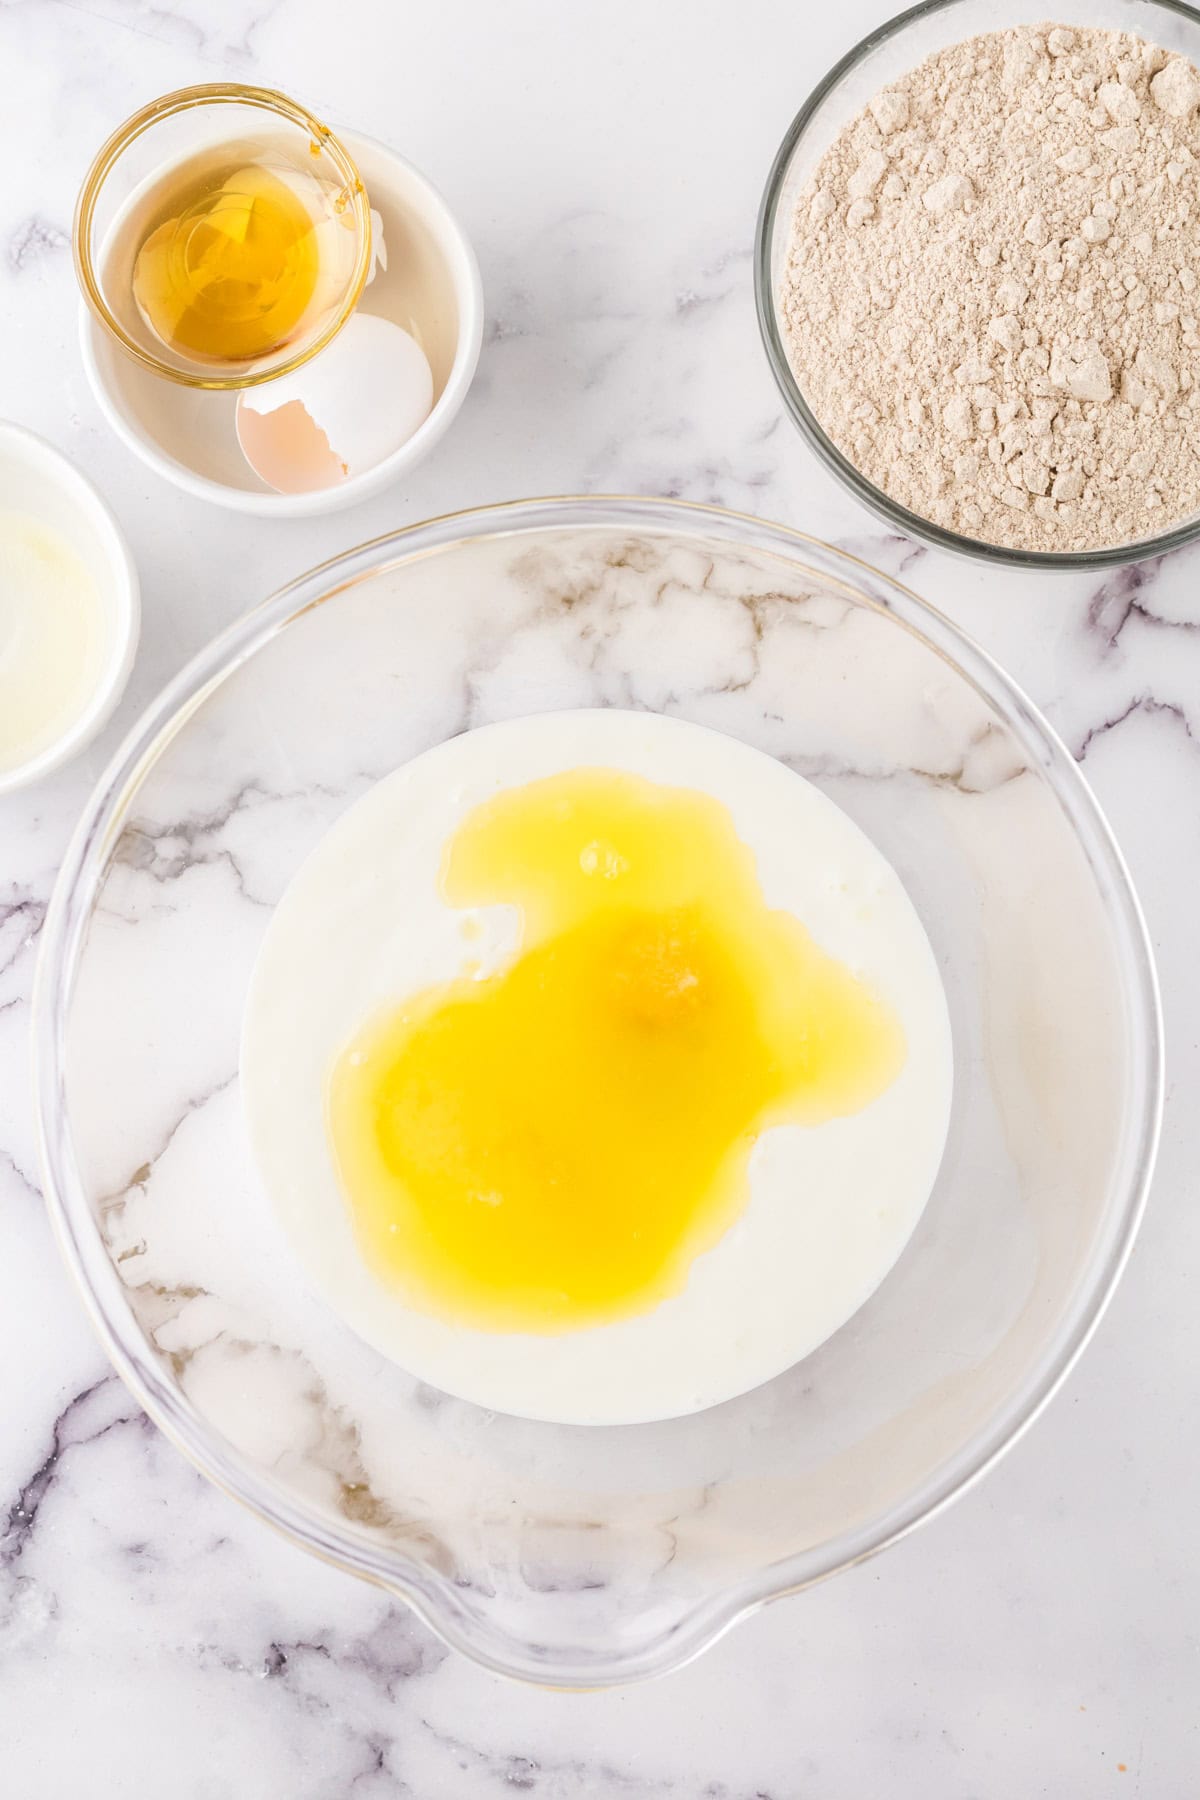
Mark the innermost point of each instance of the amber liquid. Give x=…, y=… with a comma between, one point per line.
x=233, y=254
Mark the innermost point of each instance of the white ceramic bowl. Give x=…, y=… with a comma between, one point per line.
x=188, y=435
x=37, y=479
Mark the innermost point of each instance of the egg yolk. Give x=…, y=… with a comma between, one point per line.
x=232, y=272
x=550, y=1147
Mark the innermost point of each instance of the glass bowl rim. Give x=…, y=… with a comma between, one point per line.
x=901, y=518
x=434, y=1598
x=180, y=100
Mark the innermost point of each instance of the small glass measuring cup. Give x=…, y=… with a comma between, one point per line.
x=251, y=126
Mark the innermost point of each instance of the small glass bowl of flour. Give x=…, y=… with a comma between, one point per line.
x=978, y=278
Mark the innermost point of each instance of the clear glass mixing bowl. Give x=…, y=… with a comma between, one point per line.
x=575, y=1556
x=884, y=55
x=254, y=123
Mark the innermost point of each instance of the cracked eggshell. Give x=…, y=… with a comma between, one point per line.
x=341, y=413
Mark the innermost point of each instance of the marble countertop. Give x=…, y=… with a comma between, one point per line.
x=1040, y=1639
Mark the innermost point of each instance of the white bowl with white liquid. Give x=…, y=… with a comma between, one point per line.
x=38, y=484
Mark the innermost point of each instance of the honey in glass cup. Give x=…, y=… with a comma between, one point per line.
x=223, y=236
x=229, y=265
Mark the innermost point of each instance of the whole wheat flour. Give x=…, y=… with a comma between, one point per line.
x=992, y=289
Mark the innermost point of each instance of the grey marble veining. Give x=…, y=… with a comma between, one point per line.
x=1038, y=1640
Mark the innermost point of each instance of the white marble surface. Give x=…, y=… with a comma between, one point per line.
x=1039, y=1640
